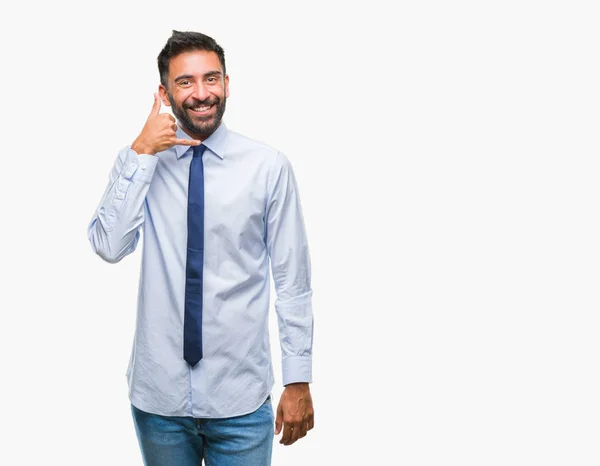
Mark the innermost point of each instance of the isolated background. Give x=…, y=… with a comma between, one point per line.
x=447, y=160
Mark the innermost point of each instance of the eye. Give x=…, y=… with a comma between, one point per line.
x=184, y=82
x=212, y=80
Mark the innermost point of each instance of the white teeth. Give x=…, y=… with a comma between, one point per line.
x=201, y=109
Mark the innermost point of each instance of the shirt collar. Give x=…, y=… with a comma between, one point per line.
x=215, y=142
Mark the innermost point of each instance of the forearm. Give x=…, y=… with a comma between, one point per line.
x=114, y=229
x=295, y=320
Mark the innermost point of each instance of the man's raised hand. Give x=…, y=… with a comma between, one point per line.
x=159, y=133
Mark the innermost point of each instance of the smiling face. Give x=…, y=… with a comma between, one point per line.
x=197, y=92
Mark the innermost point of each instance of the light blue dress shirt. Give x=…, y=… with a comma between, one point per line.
x=253, y=218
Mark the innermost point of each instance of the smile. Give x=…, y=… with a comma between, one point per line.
x=202, y=109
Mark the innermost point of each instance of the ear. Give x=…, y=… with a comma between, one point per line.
x=226, y=86
x=162, y=92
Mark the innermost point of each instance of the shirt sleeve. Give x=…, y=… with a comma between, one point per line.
x=290, y=265
x=114, y=229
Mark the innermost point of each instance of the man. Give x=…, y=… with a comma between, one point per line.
x=215, y=207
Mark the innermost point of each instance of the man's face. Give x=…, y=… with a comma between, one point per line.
x=197, y=92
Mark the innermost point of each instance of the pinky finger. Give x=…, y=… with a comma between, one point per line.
x=187, y=142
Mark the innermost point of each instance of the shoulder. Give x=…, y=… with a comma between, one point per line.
x=239, y=143
x=276, y=163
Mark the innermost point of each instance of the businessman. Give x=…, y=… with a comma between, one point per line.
x=217, y=209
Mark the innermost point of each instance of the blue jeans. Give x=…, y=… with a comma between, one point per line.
x=184, y=441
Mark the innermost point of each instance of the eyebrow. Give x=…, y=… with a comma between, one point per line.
x=190, y=76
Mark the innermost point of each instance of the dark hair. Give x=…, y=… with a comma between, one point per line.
x=187, y=41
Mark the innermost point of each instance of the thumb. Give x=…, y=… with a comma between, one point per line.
x=156, y=106
x=278, y=420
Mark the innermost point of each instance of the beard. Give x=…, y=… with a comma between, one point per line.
x=199, y=126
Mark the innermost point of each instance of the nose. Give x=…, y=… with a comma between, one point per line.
x=201, y=92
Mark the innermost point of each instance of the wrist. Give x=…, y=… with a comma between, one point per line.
x=297, y=384
x=141, y=148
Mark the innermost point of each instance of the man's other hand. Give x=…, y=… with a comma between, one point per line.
x=295, y=412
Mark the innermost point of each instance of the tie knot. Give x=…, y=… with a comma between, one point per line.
x=199, y=150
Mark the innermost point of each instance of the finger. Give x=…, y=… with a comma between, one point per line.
x=156, y=106
x=187, y=142
x=287, y=433
x=295, y=432
x=303, y=429
x=278, y=420
x=310, y=423
x=174, y=127
x=169, y=117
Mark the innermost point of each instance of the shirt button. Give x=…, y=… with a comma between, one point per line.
x=119, y=196
x=143, y=167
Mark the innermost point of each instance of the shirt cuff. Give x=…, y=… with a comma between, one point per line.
x=296, y=369
x=139, y=166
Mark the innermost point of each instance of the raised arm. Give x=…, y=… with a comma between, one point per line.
x=114, y=229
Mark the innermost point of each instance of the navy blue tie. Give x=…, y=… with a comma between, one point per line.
x=192, y=325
